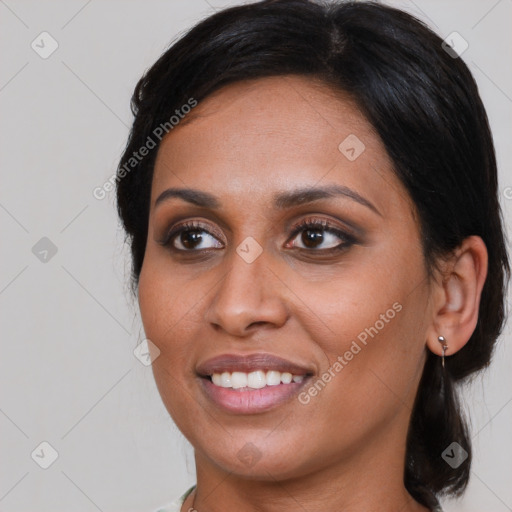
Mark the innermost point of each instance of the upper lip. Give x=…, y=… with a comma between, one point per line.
x=249, y=363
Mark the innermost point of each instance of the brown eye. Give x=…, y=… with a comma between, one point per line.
x=191, y=236
x=320, y=235
x=312, y=237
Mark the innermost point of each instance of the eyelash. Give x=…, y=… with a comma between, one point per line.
x=347, y=239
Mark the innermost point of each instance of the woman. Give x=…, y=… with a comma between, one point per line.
x=310, y=195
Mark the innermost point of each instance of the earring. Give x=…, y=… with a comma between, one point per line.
x=445, y=346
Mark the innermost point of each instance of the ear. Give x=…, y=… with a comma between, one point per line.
x=457, y=296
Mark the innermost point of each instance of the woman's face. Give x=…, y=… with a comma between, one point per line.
x=250, y=292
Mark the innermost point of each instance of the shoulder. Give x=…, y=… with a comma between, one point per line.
x=175, y=506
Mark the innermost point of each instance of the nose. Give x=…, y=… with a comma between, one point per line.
x=248, y=296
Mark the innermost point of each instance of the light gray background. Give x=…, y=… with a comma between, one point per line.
x=69, y=326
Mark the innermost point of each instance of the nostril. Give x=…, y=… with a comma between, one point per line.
x=257, y=323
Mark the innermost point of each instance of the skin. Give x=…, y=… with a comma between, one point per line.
x=344, y=450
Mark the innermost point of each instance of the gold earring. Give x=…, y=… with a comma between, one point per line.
x=442, y=340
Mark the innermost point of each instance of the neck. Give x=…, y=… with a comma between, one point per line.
x=371, y=479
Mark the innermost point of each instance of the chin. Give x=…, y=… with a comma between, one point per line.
x=257, y=459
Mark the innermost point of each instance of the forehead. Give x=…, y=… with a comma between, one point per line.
x=272, y=133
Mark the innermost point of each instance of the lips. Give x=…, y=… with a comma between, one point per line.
x=243, y=396
x=250, y=363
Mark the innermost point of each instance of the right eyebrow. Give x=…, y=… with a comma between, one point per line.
x=191, y=195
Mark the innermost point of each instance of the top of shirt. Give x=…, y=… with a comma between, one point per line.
x=175, y=506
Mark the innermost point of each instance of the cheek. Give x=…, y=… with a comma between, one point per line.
x=371, y=323
x=167, y=307
x=360, y=302
x=172, y=304
x=166, y=300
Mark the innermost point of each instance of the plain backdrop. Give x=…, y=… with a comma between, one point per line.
x=68, y=375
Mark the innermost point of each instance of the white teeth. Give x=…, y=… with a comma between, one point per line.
x=286, y=378
x=238, y=380
x=273, y=378
x=254, y=380
x=225, y=379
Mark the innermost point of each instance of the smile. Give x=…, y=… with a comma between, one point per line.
x=254, y=380
x=249, y=384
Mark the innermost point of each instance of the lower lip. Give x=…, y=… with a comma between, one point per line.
x=251, y=401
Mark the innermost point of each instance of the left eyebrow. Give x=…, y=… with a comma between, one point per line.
x=309, y=194
x=282, y=200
